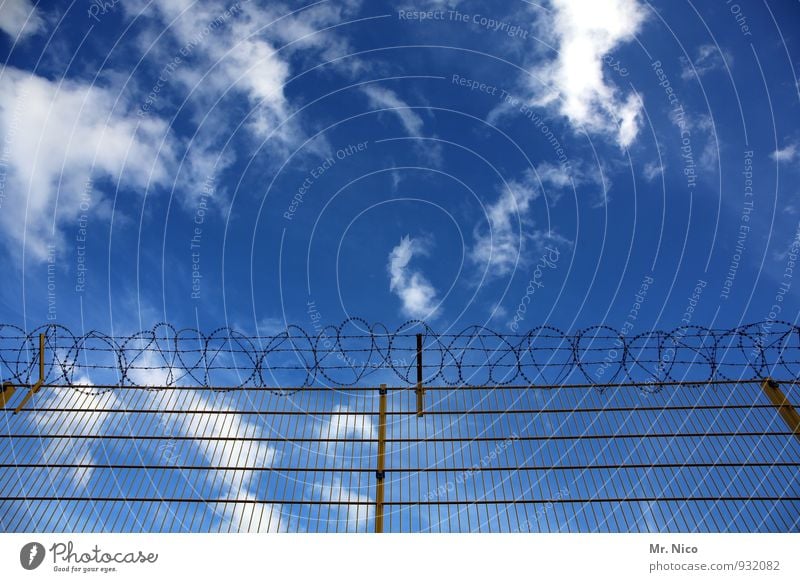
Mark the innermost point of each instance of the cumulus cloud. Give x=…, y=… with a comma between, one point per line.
x=573, y=83
x=709, y=58
x=19, y=18
x=417, y=295
x=58, y=137
x=787, y=154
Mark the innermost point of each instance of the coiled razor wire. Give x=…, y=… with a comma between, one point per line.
x=357, y=352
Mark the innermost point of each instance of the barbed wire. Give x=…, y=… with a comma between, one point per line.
x=356, y=352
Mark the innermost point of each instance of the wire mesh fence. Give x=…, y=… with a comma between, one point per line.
x=699, y=456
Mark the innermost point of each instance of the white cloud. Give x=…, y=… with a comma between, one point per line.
x=501, y=247
x=787, y=154
x=574, y=84
x=271, y=326
x=304, y=33
x=709, y=58
x=19, y=18
x=417, y=295
x=429, y=148
x=557, y=176
x=343, y=425
x=225, y=36
x=216, y=53
x=77, y=451
x=224, y=421
x=497, y=311
x=541, y=239
x=652, y=170
x=244, y=48
x=556, y=179
x=58, y=137
x=356, y=517
x=221, y=420
x=151, y=366
x=388, y=99
x=703, y=146
x=709, y=156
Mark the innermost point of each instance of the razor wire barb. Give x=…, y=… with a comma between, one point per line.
x=356, y=351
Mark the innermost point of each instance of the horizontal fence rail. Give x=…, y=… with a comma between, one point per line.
x=356, y=353
x=707, y=456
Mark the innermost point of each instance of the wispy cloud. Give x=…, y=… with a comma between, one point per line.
x=427, y=147
x=703, y=133
x=417, y=295
x=709, y=58
x=387, y=99
x=228, y=54
x=62, y=135
x=556, y=179
x=652, y=170
x=573, y=83
x=501, y=247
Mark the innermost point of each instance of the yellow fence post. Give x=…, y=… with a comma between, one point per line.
x=35, y=388
x=380, y=475
x=6, y=392
x=785, y=409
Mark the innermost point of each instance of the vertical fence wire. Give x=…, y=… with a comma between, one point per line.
x=688, y=457
x=176, y=430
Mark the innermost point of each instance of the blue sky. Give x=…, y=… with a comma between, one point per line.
x=153, y=147
x=258, y=164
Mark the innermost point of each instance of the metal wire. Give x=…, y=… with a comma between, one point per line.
x=682, y=457
x=357, y=352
